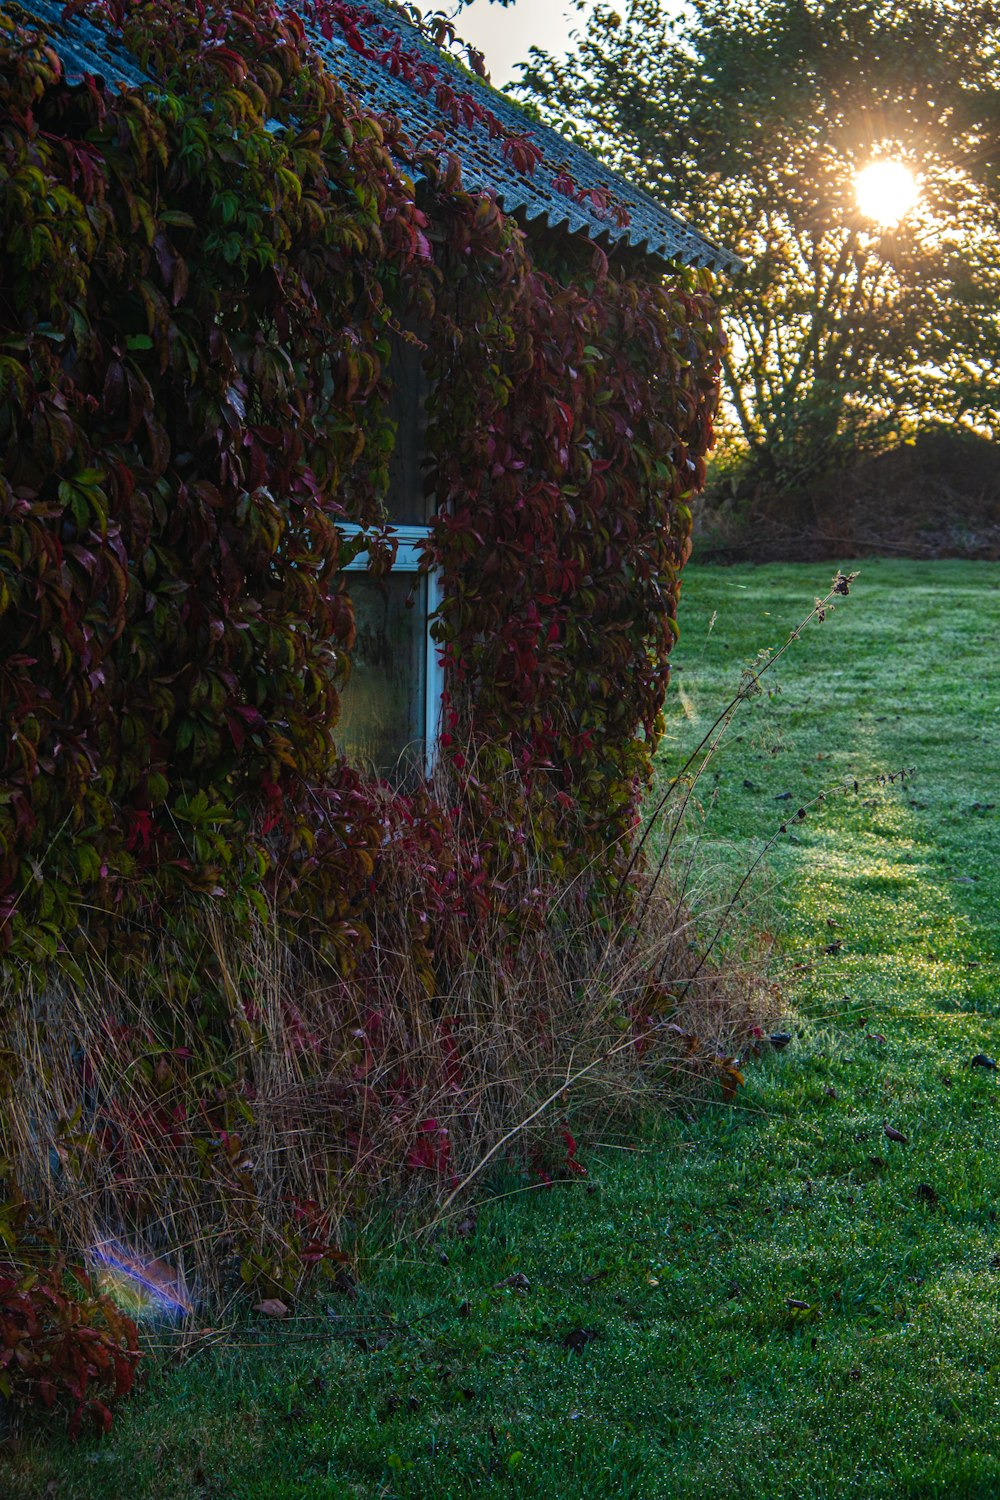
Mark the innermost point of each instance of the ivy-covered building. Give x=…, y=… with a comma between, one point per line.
x=560, y=196
x=360, y=417
x=350, y=423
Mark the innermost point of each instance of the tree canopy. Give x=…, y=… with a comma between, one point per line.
x=753, y=118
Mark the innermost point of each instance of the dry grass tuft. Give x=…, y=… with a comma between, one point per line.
x=244, y=1142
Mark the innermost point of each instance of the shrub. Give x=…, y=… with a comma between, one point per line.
x=62, y=1345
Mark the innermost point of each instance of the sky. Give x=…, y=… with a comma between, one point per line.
x=504, y=35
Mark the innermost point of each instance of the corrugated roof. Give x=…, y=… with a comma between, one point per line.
x=82, y=46
x=412, y=93
x=651, y=228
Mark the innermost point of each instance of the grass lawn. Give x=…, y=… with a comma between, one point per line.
x=657, y=1348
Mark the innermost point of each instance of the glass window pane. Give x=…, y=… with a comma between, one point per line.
x=382, y=711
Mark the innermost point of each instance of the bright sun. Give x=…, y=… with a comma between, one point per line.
x=886, y=191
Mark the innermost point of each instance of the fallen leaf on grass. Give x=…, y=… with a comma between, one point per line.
x=797, y=1306
x=344, y=1283
x=892, y=1134
x=730, y=1079
x=391, y=1408
x=831, y=1092
x=875, y=1036
x=376, y=1341
x=271, y=1308
x=578, y=1339
x=517, y=1282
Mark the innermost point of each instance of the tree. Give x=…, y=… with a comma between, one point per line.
x=752, y=118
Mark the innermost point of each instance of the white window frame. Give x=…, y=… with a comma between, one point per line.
x=410, y=543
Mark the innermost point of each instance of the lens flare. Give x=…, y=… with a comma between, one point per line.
x=144, y=1288
x=886, y=191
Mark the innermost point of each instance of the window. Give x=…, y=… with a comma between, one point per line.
x=390, y=707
